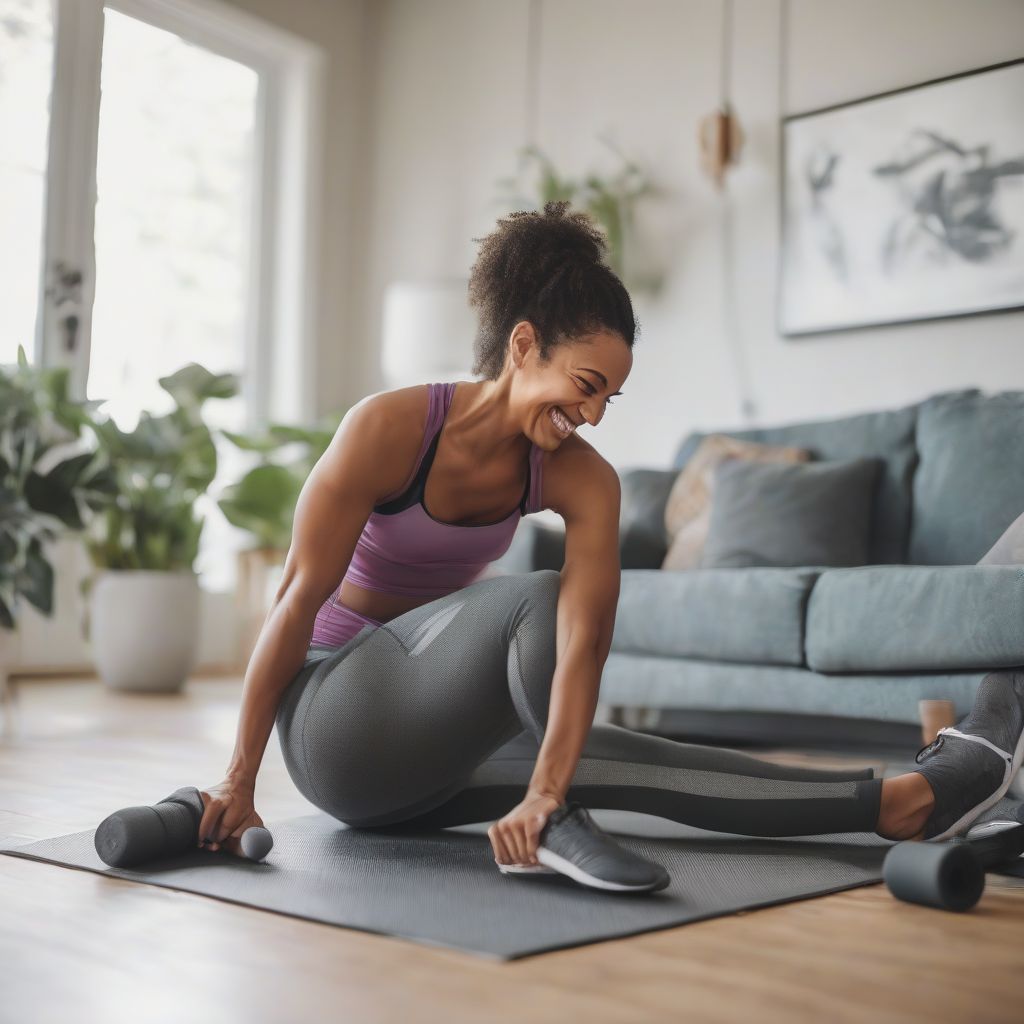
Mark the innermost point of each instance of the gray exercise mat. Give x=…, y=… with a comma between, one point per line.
x=442, y=887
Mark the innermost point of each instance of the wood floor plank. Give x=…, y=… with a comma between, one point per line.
x=75, y=945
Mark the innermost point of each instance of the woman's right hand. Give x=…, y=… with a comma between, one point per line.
x=228, y=812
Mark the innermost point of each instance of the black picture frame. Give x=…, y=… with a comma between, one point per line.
x=942, y=242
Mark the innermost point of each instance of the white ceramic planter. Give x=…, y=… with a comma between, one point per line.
x=144, y=628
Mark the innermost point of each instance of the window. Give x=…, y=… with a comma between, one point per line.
x=172, y=170
x=26, y=41
x=158, y=163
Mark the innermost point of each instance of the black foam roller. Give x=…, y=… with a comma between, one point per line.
x=134, y=835
x=948, y=875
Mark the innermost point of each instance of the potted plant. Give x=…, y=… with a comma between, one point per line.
x=49, y=484
x=263, y=503
x=143, y=611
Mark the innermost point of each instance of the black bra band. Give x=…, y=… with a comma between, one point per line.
x=413, y=494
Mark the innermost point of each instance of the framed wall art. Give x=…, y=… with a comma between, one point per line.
x=904, y=206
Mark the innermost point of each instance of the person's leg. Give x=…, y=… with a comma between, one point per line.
x=412, y=723
x=708, y=787
x=395, y=721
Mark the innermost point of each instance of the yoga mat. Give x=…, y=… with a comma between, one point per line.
x=442, y=888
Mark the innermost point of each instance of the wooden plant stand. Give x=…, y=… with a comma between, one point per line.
x=255, y=566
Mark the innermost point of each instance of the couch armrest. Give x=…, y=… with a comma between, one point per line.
x=642, y=540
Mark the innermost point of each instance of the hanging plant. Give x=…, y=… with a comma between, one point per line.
x=609, y=200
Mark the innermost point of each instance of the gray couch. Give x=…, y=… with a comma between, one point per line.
x=922, y=621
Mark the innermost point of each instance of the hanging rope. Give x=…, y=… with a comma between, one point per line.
x=730, y=317
x=533, y=27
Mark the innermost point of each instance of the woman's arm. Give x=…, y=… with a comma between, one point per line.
x=337, y=498
x=587, y=494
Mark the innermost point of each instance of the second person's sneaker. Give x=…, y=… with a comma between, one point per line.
x=969, y=769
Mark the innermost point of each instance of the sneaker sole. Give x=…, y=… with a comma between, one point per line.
x=991, y=828
x=525, y=869
x=565, y=867
x=561, y=866
x=996, y=796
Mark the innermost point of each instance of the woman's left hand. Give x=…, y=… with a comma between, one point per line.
x=515, y=837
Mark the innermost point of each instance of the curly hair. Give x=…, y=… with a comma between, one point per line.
x=546, y=267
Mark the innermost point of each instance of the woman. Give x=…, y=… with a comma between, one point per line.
x=420, y=692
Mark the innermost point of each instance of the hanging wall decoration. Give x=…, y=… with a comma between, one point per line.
x=905, y=206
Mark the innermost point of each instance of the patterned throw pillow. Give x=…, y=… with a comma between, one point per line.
x=688, y=510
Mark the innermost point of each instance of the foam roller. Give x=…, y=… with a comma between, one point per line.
x=136, y=835
x=949, y=875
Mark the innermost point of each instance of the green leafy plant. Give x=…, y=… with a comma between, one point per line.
x=263, y=501
x=50, y=484
x=609, y=200
x=160, y=467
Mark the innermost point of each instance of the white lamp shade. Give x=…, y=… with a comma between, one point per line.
x=427, y=332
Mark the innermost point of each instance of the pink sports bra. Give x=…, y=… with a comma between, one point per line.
x=403, y=549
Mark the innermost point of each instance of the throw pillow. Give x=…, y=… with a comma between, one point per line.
x=1009, y=549
x=813, y=514
x=688, y=509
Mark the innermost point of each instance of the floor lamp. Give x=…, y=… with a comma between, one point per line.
x=428, y=332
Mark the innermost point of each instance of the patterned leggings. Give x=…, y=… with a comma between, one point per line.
x=435, y=719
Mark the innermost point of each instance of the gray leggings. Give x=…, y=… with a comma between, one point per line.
x=435, y=719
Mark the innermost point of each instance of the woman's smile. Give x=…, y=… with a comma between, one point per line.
x=562, y=423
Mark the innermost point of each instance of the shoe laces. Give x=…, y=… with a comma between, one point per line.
x=930, y=748
x=936, y=744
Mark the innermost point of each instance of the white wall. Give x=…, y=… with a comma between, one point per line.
x=446, y=109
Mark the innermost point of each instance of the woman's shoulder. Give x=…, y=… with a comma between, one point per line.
x=397, y=420
x=408, y=399
x=401, y=413
x=572, y=473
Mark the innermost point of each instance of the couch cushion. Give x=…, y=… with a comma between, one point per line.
x=635, y=679
x=741, y=615
x=969, y=485
x=916, y=618
x=888, y=435
x=816, y=513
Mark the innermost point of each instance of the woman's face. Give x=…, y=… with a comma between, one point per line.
x=578, y=383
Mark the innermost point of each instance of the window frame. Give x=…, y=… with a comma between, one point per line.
x=281, y=318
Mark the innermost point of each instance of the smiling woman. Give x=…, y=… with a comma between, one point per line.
x=435, y=695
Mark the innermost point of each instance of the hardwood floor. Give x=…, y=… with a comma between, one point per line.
x=75, y=946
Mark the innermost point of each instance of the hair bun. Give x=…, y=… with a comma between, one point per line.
x=546, y=266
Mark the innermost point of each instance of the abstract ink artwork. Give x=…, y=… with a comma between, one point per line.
x=905, y=206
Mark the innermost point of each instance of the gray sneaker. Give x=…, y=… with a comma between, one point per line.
x=970, y=768
x=1003, y=815
x=572, y=844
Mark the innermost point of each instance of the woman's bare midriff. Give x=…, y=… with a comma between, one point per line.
x=375, y=604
